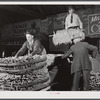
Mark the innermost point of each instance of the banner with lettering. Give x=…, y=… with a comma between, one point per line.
x=19, y=29
x=94, y=24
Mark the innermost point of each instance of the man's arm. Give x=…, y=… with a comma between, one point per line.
x=67, y=54
x=94, y=50
x=22, y=50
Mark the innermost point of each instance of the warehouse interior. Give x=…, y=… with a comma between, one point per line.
x=11, y=15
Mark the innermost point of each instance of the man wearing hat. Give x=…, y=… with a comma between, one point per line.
x=73, y=24
x=32, y=44
x=81, y=64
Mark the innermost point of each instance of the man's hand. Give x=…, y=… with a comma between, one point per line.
x=28, y=56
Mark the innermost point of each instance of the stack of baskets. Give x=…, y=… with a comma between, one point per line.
x=95, y=81
x=21, y=74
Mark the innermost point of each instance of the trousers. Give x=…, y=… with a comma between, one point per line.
x=76, y=80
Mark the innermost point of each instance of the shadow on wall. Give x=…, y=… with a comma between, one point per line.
x=60, y=74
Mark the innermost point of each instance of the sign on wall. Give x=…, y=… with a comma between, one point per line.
x=19, y=29
x=94, y=24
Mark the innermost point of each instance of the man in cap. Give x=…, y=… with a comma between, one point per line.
x=73, y=24
x=32, y=44
x=81, y=64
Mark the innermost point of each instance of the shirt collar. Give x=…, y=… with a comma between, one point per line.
x=71, y=14
x=31, y=42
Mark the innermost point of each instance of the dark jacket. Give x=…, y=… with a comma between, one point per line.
x=81, y=59
x=36, y=48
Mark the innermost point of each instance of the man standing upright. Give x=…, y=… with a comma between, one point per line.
x=81, y=64
x=73, y=24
